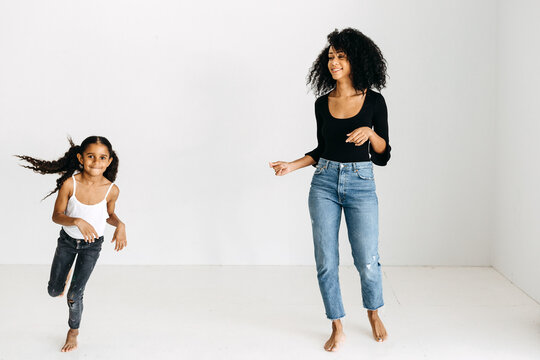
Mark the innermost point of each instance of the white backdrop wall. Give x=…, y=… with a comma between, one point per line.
x=197, y=97
x=516, y=246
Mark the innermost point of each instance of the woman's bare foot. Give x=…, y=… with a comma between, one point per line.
x=337, y=337
x=379, y=332
x=71, y=340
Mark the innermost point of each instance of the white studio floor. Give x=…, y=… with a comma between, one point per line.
x=267, y=312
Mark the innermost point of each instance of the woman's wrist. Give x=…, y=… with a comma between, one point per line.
x=371, y=134
x=292, y=165
x=296, y=164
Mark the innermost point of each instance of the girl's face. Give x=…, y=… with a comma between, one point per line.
x=338, y=64
x=95, y=159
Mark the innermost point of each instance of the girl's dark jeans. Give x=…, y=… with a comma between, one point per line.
x=66, y=250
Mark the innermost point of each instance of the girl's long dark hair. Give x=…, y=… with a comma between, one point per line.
x=368, y=66
x=69, y=163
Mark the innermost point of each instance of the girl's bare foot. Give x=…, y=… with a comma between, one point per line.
x=337, y=337
x=71, y=340
x=379, y=332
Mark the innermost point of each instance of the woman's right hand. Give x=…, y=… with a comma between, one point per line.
x=281, y=167
x=87, y=230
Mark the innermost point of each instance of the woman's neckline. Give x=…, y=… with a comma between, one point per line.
x=368, y=91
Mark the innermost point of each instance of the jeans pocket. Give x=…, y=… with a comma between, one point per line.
x=365, y=173
x=319, y=169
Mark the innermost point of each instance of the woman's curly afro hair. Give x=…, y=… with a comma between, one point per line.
x=368, y=66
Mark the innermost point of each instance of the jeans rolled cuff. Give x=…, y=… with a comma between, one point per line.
x=376, y=308
x=335, y=318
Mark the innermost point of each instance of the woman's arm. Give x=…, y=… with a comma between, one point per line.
x=380, y=147
x=283, y=167
x=378, y=144
x=310, y=158
x=316, y=153
x=377, y=137
x=120, y=232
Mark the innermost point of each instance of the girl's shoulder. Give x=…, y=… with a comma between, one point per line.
x=115, y=189
x=113, y=194
x=67, y=186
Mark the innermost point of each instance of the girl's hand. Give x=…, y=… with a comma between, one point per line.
x=120, y=237
x=359, y=136
x=88, y=232
x=281, y=167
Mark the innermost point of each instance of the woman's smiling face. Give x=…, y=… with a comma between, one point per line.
x=338, y=64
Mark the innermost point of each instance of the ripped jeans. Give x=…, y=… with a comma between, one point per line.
x=351, y=187
x=87, y=255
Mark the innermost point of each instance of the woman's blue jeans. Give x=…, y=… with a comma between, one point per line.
x=351, y=187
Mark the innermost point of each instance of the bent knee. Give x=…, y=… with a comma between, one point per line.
x=54, y=292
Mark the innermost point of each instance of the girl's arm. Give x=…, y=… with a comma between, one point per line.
x=120, y=232
x=59, y=213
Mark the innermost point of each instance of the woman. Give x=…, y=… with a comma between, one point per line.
x=352, y=133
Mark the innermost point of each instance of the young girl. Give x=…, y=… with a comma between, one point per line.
x=85, y=202
x=352, y=133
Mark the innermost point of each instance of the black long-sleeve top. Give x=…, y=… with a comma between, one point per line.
x=332, y=132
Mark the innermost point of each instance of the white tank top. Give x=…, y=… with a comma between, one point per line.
x=96, y=215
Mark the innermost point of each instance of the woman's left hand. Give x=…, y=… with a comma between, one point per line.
x=359, y=136
x=120, y=238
